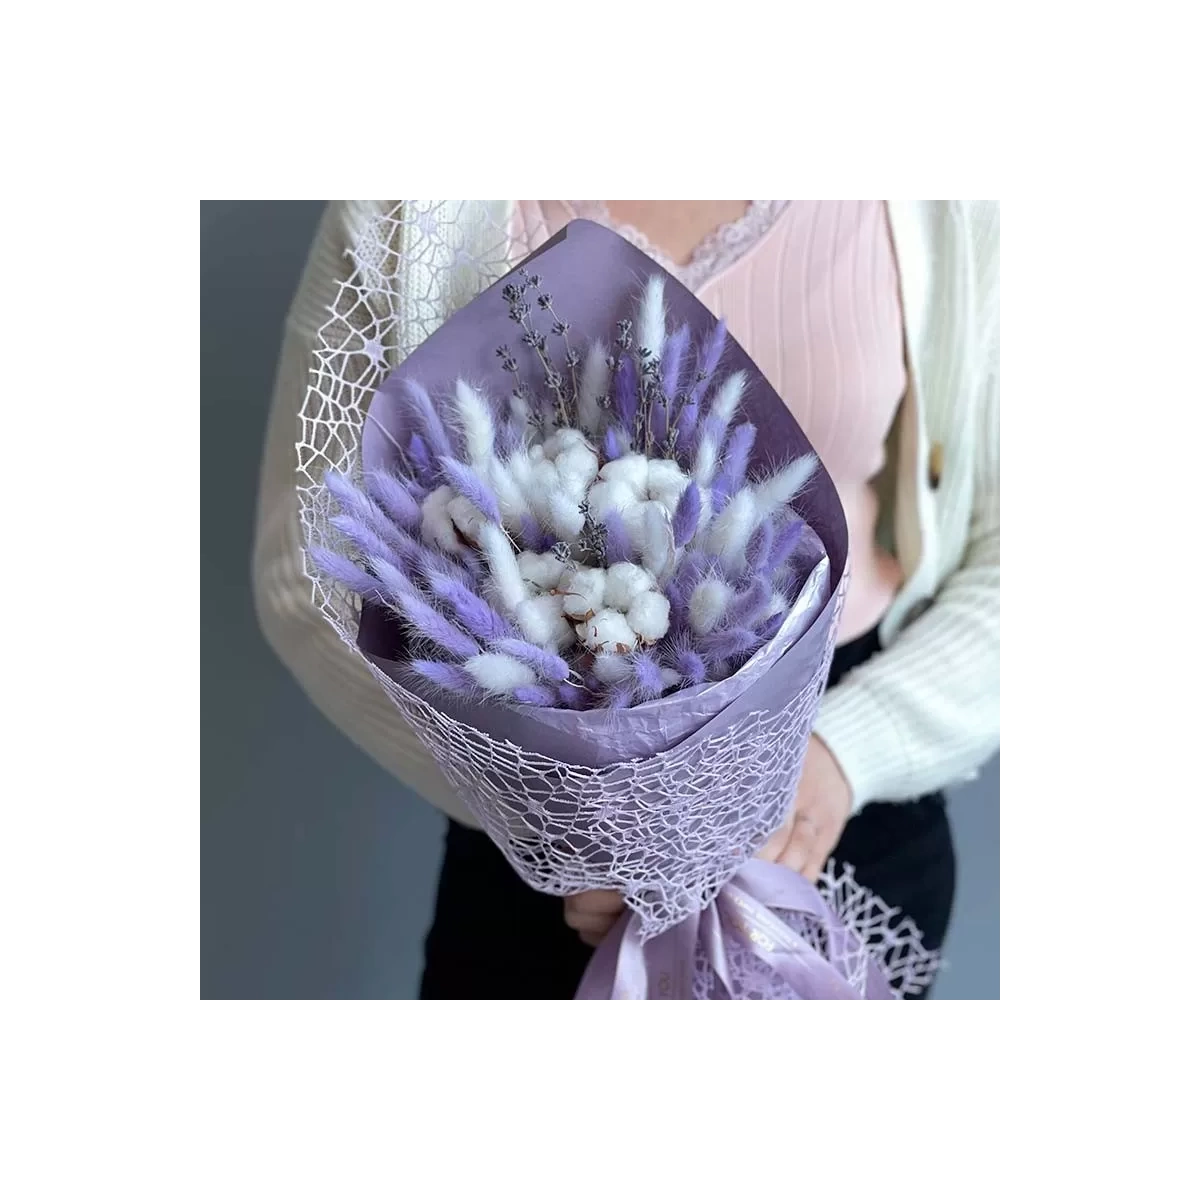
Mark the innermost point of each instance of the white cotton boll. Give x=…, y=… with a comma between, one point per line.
x=475, y=416
x=542, y=485
x=436, y=526
x=623, y=583
x=510, y=588
x=563, y=440
x=499, y=673
x=649, y=616
x=732, y=528
x=577, y=470
x=658, y=545
x=666, y=482
x=541, y=570
x=542, y=622
x=582, y=590
x=729, y=396
x=773, y=493
x=605, y=497
x=612, y=668
x=609, y=631
x=652, y=318
x=467, y=519
x=593, y=386
x=709, y=601
x=536, y=453
x=629, y=469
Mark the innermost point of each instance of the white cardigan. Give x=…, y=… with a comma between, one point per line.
x=923, y=713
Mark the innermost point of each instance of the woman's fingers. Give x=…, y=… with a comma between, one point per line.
x=777, y=843
x=593, y=914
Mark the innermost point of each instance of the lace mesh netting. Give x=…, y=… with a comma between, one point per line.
x=667, y=831
x=894, y=943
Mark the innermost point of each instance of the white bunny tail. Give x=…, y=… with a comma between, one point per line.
x=506, y=575
x=499, y=673
x=593, y=386
x=731, y=530
x=773, y=493
x=652, y=318
x=729, y=396
x=476, y=417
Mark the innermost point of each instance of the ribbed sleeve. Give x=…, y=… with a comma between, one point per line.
x=335, y=679
x=925, y=712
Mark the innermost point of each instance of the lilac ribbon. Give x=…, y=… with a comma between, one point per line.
x=746, y=908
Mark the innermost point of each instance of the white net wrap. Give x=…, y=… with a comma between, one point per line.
x=666, y=831
x=892, y=939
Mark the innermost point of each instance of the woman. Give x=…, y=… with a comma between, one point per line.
x=878, y=325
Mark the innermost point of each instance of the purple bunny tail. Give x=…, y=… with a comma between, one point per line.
x=468, y=484
x=547, y=664
x=672, y=360
x=424, y=620
x=418, y=453
x=612, y=444
x=678, y=610
x=660, y=417
x=786, y=543
x=709, y=359
x=436, y=437
x=617, y=546
x=736, y=642
x=684, y=658
x=733, y=462
x=620, y=696
x=365, y=539
x=648, y=679
x=687, y=515
x=448, y=676
x=356, y=503
x=395, y=499
x=533, y=693
x=771, y=626
x=758, y=549
x=477, y=616
x=747, y=607
x=689, y=417
x=345, y=572
x=571, y=697
x=625, y=395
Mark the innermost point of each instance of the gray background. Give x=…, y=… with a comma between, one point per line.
x=317, y=868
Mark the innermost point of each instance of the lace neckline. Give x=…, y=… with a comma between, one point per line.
x=719, y=249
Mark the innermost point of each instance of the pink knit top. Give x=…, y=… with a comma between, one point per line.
x=810, y=290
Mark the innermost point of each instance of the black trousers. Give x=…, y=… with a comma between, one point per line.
x=494, y=938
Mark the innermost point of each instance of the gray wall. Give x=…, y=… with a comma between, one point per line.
x=317, y=868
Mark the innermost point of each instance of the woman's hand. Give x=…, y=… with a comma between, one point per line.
x=813, y=827
x=593, y=914
x=803, y=842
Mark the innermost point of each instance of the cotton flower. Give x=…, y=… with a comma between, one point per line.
x=582, y=590
x=608, y=630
